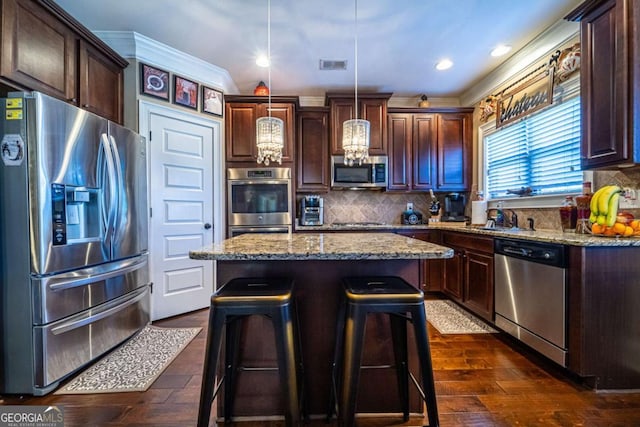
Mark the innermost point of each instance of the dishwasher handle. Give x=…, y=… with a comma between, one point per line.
x=515, y=251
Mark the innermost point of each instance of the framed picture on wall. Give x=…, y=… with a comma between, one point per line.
x=185, y=92
x=154, y=82
x=212, y=101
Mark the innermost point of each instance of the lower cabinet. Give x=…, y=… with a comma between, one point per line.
x=468, y=276
x=431, y=270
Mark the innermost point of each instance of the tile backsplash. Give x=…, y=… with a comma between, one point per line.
x=387, y=207
x=371, y=206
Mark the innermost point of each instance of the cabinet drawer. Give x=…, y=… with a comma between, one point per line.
x=460, y=240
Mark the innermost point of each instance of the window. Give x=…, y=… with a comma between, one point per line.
x=541, y=152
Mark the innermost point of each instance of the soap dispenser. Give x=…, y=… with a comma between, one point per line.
x=499, y=214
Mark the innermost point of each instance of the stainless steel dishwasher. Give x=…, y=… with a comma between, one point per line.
x=531, y=294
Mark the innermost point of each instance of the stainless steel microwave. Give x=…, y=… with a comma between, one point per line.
x=371, y=174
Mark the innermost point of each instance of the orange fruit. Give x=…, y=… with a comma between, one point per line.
x=597, y=228
x=608, y=231
x=635, y=224
x=628, y=231
x=619, y=228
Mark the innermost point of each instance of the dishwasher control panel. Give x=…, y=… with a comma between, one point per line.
x=543, y=253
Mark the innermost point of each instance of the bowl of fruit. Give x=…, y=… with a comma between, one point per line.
x=606, y=220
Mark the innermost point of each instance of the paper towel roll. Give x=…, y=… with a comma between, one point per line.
x=479, y=212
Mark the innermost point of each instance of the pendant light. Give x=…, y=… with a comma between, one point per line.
x=355, y=132
x=269, y=130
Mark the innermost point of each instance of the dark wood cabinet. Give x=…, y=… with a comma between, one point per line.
x=609, y=82
x=371, y=107
x=412, y=147
x=429, y=150
x=38, y=50
x=241, y=113
x=45, y=49
x=312, y=150
x=454, y=152
x=431, y=270
x=105, y=98
x=468, y=276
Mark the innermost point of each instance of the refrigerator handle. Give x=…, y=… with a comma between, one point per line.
x=119, y=178
x=71, y=280
x=107, y=310
x=112, y=185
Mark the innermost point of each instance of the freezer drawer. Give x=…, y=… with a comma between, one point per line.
x=61, y=295
x=65, y=346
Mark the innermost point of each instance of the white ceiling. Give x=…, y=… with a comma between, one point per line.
x=399, y=41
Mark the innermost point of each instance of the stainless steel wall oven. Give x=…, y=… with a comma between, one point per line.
x=259, y=200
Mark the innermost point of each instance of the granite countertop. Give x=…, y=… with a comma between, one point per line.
x=321, y=246
x=550, y=236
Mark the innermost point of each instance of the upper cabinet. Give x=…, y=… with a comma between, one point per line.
x=454, y=151
x=429, y=149
x=312, y=150
x=45, y=49
x=241, y=113
x=610, y=82
x=412, y=145
x=371, y=107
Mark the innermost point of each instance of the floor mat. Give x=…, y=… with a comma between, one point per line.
x=448, y=318
x=135, y=365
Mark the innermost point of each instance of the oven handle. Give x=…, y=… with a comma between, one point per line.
x=251, y=182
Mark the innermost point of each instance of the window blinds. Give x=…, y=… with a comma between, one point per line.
x=541, y=152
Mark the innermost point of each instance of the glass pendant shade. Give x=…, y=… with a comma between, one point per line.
x=355, y=132
x=269, y=139
x=355, y=141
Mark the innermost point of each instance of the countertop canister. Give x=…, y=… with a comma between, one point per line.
x=479, y=212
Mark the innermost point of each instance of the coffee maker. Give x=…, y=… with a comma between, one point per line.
x=311, y=210
x=454, y=205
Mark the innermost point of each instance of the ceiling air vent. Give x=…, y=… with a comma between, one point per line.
x=332, y=64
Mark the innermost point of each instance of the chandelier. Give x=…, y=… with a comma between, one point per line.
x=355, y=132
x=269, y=130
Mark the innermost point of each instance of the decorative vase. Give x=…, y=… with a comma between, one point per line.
x=261, y=89
x=424, y=103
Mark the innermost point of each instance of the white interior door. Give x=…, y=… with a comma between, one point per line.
x=181, y=192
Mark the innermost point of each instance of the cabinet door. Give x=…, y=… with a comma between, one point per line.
x=454, y=275
x=38, y=50
x=454, y=151
x=478, y=292
x=372, y=109
x=400, y=132
x=285, y=112
x=313, y=152
x=341, y=111
x=100, y=82
x=375, y=110
x=240, y=132
x=607, y=136
x=423, y=151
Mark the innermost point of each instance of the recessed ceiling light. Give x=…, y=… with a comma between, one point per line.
x=262, y=61
x=500, y=50
x=444, y=64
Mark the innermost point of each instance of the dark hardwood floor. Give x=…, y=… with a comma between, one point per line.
x=481, y=380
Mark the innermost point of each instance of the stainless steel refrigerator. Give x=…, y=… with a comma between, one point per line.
x=74, y=277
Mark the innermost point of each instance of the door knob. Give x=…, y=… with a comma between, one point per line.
x=207, y=226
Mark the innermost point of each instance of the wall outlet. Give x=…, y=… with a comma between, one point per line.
x=409, y=206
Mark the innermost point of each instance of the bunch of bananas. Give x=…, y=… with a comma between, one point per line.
x=604, y=205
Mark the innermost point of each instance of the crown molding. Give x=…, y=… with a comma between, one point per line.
x=130, y=44
x=543, y=45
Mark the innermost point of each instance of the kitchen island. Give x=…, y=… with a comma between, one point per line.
x=317, y=262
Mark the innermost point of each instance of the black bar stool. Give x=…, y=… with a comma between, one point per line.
x=393, y=296
x=236, y=300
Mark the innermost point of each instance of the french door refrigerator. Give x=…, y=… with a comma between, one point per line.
x=74, y=279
